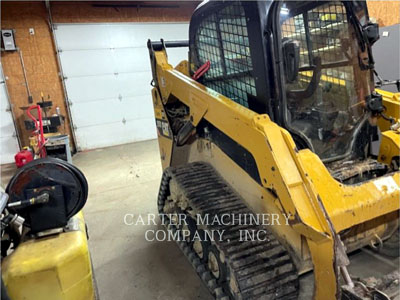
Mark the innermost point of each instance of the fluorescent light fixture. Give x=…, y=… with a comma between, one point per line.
x=284, y=11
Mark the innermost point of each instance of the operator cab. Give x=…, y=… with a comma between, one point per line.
x=325, y=98
x=307, y=64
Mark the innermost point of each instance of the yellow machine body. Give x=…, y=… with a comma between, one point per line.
x=54, y=267
x=389, y=148
x=320, y=207
x=391, y=101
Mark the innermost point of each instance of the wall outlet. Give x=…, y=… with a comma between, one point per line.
x=31, y=31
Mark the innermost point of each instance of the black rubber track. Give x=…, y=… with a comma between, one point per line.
x=262, y=269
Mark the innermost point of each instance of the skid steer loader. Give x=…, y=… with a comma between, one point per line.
x=275, y=113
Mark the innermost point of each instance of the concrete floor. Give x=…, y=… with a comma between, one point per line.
x=125, y=180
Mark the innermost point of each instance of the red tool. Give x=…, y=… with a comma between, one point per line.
x=202, y=70
x=38, y=132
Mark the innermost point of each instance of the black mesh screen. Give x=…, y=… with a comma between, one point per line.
x=328, y=26
x=328, y=34
x=329, y=113
x=223, y=40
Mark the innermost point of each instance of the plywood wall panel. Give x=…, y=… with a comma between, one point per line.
x=39, y=58
x=386, y=13
x=85, y=12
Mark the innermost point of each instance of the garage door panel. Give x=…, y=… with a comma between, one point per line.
x=168, y=32
x=108, y=76
x=7, y=125
x=113, y=111
x=71, y=36
x=139, y=107
x=80, y=63
x=141, y=129
x=176, y=55
x=9, y=147
x=130, y=36
x=106, y=135
x=90, y=88
x=116, y=134
x=82, y=89
x=107, y=111
x=135, y=84
x=95, y=36
x=3, y=98
x=136, y=35
x=87, y=62
x=130, y=60
x=8, y=140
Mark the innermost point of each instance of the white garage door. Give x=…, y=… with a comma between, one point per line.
x=8, y=138
x=107, y=77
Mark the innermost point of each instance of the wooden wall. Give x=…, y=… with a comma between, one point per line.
x=39, y=57
x=85, y=12
x=39, y=52
x=386, y=13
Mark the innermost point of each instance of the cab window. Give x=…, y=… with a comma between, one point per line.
x=222, y=39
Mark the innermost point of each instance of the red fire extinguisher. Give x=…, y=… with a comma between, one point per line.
x=23, y=157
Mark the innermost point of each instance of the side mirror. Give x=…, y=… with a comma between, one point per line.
x=291, y=59
x=374, y=103
x=371, y=32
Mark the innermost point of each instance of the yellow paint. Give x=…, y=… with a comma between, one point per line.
x=348, y=205
x=319, y=205
x=325, y=78
x=328, y=17
x=56, y=267
x=389, y=148
x=325, y=278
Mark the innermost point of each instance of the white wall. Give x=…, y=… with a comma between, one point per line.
x=107, y=76
x=8, y=139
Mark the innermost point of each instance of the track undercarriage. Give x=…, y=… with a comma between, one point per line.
x=231, y=266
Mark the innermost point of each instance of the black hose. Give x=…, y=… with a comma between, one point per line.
x=390, y=119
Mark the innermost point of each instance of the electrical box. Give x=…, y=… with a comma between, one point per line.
x=7, y=37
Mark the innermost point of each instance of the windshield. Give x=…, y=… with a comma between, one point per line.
x=325, y=102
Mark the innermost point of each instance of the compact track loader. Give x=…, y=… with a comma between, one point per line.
x=275, y=117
